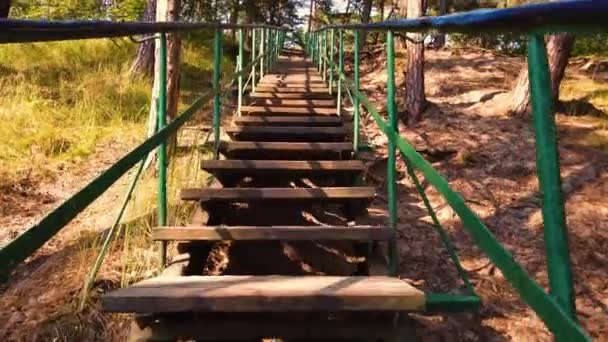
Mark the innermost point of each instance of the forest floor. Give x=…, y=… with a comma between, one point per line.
x=487, y=156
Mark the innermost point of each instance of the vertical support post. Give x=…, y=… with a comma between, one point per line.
x=356, y=99
x=340, y=71
x=321, y=52
x=548, y=172
x=253, y=57
x=391, y=186
x=162, y=148
x=276, y=45
x=268, y=51
x=217, y=63
x=262, y=51
x=331, y=59
x=325, y=54
x=240, y=63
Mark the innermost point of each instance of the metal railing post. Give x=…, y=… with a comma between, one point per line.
x=253, y=57
x=391, y=185
x=240, y=63
x=276, y=45
x=340, y=71
x=162, y=148
x=356, y=98
x=548, y=172
x=331, y=59
x=324, y=71
x=262, y=61
x=217, y=63
x=321, y=52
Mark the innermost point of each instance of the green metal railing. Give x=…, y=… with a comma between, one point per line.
x=556, y=309
x=13, y=31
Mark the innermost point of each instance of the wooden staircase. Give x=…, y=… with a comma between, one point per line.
x=288, y=150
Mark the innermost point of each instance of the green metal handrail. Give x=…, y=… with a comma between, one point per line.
x=555, y=309
x=28, y=242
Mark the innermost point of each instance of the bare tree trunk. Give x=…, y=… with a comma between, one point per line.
x=5, y=8
x=440, y=38
x=365, y=15
x=174, y=46
x=234, y=17
x=310, y=15
x=415, y=100
x=144, y=60
x=559, y=47
x=380, y=7
x=166, y=10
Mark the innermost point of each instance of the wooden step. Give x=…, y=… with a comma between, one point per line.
x=284, y=165
x=311, y=96
x=265, y=294
x=322, y=327
x=270, y=110
x=291, y=89
x=273, y=172
x=283, y=233
x=283, y=195
x=306, y=84
x=284, y=150
x=258, y=101
x=286, y=133
x=304, y=120
x=294, y=77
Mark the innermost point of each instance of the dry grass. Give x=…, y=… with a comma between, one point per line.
x=71, y=111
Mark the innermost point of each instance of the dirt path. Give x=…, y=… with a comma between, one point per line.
x=39, y=300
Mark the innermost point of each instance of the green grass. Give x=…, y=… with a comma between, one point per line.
x=588, y=90
x=58, y=100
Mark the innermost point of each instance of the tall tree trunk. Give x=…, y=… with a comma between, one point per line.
x=415, y=101
x=310, y=15
x=5, y=8
x=365, y=16
x=234, y=17
x=144, y=60
x=440, y=38
x=559, y=47
x=166, y=10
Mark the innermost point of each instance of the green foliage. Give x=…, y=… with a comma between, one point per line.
x=596, y=44
x=78, y=9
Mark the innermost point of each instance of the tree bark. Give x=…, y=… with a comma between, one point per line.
x=559, y=47
x=166, y=10
x=234, y=17
x=144, y=60
x=415, y=101
x=440, y=38
x=365, y=16
x=310, y=15
x=5, y=8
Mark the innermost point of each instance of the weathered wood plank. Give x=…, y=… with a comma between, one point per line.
x=273, y=325
x=283, y=233
x=273, y=194
x=287, y=110
x=265, y=294
x=259, y=101
x=271, y=95
x=284, y=165
x=296, y=120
